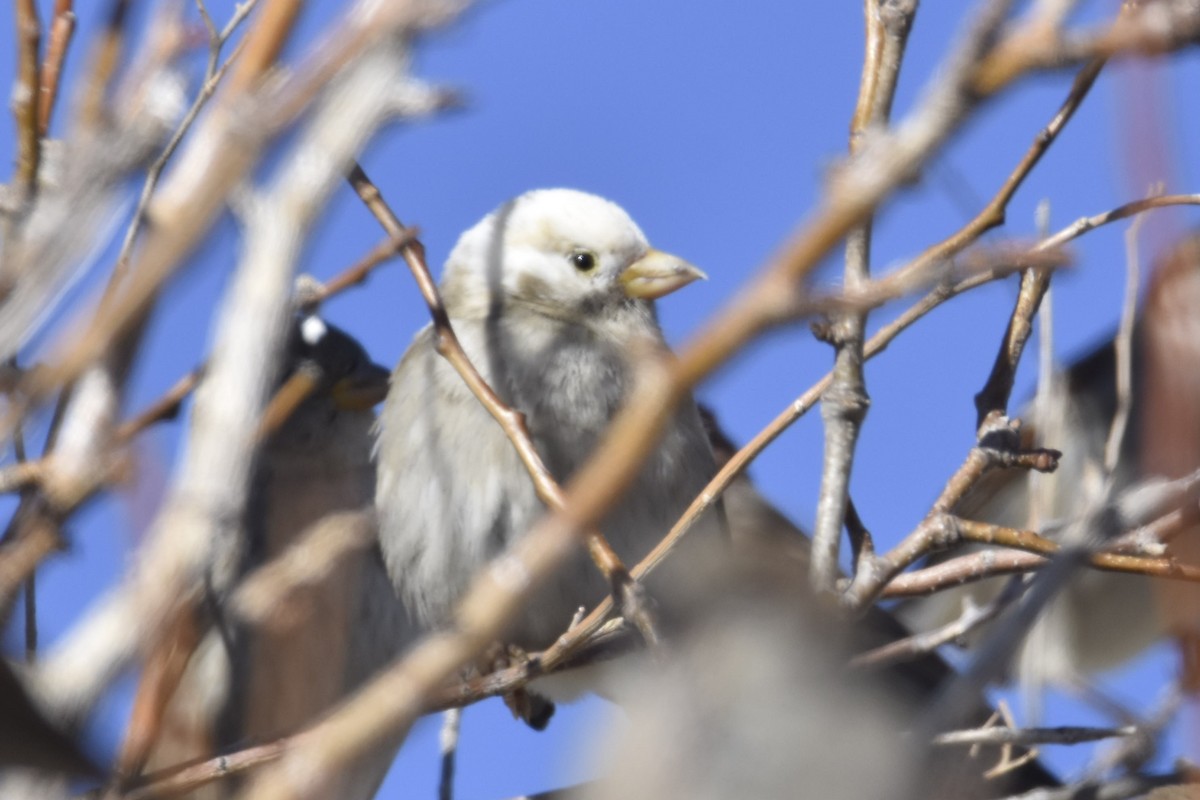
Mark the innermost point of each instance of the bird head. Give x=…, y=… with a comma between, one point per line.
x=325, y=370
x=342, y=366
x=559, y=252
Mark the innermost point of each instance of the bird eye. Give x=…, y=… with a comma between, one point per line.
x=583, y=261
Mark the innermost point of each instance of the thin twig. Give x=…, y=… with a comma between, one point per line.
x=1144, y=29
x=181, y=780
x=992, y=563
x=164, y=408
x=920, y=644
x=213, y=74
x=993, y=214
x=1028, y=737
x=993, y=397
x=62, y=29
x=995, y=449
x=357, y=273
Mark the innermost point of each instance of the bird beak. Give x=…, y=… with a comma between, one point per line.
x=362, y=389
x=656, y=274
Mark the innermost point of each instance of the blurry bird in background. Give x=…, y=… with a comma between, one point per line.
x=552, y=297
x=766, y=587
x=1102, y=619
x=252, y=684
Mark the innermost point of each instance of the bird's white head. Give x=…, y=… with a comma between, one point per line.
x=559, y=252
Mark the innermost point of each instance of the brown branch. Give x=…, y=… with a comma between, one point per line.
x=994, y=395
x=1085, y=224
x=62, y=29
x=1032, y=542
x=631, y=596
x=25, y=103
x=263, y=43
x=106, y=58
x=920, y=644
x=162, y=672
x=995, y=562
x=994, y=214
x=1151, y=538
x=967, y=270
x=1145, y=29
x=284, y=401
x=181, y=780
x=996, y=448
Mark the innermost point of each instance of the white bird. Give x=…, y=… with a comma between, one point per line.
x=550, y=295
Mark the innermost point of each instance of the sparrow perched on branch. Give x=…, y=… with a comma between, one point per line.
x=552, y=297
x=1102, y=619
x=250, y=684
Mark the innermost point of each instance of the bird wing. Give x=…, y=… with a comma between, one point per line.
x=442, y=517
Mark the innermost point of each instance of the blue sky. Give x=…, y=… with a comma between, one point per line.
x=713, y=125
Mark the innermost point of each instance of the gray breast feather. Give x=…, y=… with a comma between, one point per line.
x=452, y=492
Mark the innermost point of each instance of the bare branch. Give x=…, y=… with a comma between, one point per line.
x=844, y=404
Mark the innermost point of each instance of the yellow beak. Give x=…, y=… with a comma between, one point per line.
x=656, y=274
